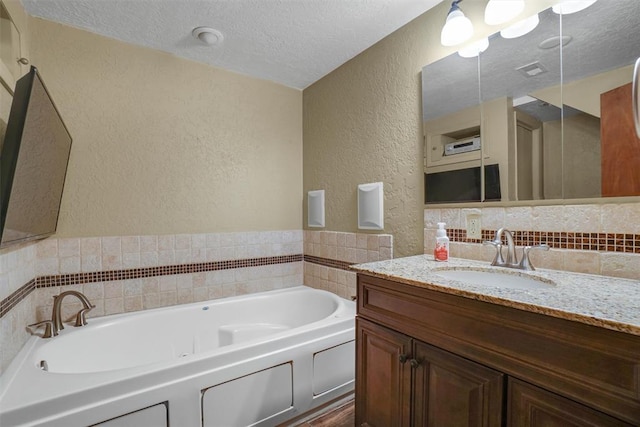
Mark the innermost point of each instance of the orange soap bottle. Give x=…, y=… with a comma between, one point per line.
x=441, y=251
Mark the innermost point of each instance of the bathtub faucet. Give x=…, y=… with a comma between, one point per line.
x=56, y=315
x=55, y=325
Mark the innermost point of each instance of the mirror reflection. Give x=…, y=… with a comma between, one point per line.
x=538, y=104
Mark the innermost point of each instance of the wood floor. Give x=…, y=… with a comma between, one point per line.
x=343, y=416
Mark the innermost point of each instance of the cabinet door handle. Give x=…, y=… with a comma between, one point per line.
x=414, y=363
x=403, y=358
x=636, y=96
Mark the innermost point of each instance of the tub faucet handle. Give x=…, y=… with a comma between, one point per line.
x=81, y=318
x=48, y=328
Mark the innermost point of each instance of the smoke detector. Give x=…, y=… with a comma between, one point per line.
x=208, y=36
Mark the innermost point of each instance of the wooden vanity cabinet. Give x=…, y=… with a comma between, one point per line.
x=426, y=358
x=414, y=383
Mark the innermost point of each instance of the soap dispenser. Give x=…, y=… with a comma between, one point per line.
x=441, y=252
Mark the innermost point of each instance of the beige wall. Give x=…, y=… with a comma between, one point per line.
x=362, y=123
x=163, y=145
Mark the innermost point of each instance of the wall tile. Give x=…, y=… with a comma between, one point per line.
x=452, y=218
x=547, y=218
x=569, y=253
x=620, y=265
x=431, y=218
x=130, y=244
x=621, y=218
x=69, y=248
x=518, y=218
x=582, y=261
x=491, y=218
x=90, y=246
x=111, y=245
x=582, y=218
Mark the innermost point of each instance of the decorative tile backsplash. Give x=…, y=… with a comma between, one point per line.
x=595, y=239
x=609, y=242
x=123, y=274
x=328, y=255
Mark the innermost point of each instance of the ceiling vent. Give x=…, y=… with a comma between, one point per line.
x=532, y=70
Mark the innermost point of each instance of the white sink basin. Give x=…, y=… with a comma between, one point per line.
x=496, y=278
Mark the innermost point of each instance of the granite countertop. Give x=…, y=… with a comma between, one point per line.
x=602, y=301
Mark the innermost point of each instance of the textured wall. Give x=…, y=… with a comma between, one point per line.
x=163, y=145
x=362, y=123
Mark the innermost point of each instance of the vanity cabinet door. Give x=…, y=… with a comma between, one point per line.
x=452, y=391
x=530, y=406
x=383, y=376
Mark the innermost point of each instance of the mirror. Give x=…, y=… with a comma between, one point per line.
x=536, y=104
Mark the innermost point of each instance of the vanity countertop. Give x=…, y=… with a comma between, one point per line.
x=602, y=301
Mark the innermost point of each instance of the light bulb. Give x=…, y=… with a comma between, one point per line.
x=457, y=29
x=500, y=11
x=567, y=7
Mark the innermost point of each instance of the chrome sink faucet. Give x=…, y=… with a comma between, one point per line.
x=55, y=325
x=512, y=259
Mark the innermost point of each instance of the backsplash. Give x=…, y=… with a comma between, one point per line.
x=594, y=239
x=123, y=274
x=131, y=273
x=328, y=254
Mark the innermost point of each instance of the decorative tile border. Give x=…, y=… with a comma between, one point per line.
x=14, y=299
x=603, y=242
x=332, y=263
x=137, y=273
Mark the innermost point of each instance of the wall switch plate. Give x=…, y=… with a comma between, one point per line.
x=474, y=227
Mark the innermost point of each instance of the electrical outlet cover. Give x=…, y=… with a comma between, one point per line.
x=474, y=227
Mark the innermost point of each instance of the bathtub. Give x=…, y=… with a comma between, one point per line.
x=259, y=359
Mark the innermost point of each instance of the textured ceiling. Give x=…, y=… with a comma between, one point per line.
x=292, y=42
x=604, y=37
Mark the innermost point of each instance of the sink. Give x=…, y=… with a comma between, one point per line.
x=495, y=278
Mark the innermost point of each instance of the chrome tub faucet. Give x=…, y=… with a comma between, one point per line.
x=512, y=259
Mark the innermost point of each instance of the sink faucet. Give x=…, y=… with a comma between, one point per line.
x=512, y=259
x=55, y=325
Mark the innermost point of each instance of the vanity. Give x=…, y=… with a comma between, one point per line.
x=437, y=350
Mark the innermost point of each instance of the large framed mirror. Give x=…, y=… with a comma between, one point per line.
x=548, y=107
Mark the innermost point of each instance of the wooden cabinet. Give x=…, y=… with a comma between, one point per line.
x=382, y=370
x=533, y=406
x=409, y=382
x=426, y=358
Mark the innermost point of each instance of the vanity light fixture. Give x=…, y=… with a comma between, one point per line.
x=208, y=36
x=521, y=28
x=566, y=7
x=475, y=48
x=457, y=28
x=500, y=11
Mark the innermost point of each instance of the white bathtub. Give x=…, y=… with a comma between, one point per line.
x=259, y=359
